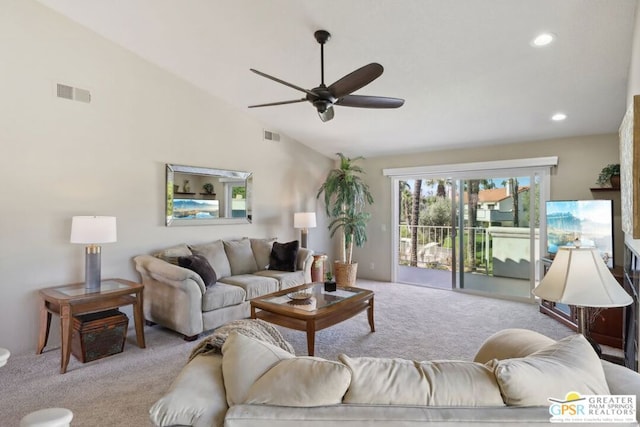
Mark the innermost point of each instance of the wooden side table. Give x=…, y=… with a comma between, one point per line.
x=317, y=268
x=70, y=300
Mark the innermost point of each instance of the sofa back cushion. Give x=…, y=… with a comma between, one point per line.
x=301, y=382
x=261, y=251
x=405, y=382
x=244, y=360
x=240, y=256
x=171, y=254
x=217, y=257
x=567, y=365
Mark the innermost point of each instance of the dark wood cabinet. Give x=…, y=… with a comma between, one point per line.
x=607, y=325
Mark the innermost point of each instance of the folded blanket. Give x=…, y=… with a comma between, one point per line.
x=254, y=328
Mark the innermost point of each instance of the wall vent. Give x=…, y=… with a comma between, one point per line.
x=73, y=93
x=271, y=136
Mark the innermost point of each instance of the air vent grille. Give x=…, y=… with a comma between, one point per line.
x=73, y=93
x=271, y=136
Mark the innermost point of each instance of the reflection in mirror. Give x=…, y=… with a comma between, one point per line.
x=205, y=196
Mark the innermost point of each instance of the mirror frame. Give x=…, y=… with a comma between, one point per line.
x=226, y=175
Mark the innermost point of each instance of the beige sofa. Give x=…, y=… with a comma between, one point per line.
x=177, y=298
x=509, y=383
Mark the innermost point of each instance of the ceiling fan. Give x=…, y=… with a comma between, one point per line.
x=338, y=93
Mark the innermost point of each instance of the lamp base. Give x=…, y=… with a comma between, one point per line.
x=303, y=238
x=92, y=268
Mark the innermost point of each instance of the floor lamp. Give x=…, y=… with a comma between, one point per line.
x=579, y=277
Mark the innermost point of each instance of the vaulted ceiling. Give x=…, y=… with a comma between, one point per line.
x=466, y=68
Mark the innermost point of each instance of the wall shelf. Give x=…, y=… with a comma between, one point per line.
x=597, y=189
x=183, y=193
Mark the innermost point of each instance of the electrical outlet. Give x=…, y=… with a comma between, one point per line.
x=372, y=266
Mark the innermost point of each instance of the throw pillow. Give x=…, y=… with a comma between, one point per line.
x=283, y=256
x=261, y=251
x=217, y=257
x=244, y=360
x=567, y=365
x=200, y=265
x=301, y=382
x=240, y=256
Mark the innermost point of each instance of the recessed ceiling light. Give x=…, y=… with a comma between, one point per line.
x=543, y=39
x=558, y=117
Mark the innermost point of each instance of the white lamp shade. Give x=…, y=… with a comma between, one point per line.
x=93, y=229
x=304, y=220
x=579, y=276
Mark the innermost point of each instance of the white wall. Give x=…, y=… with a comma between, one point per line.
x=633, y=88
x=62, y=158
x=579, y=162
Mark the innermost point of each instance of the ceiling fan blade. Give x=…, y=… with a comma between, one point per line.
x=275, y=79
x=293, y=101
x=363, y=101
x=326, y=115
x=356, y=80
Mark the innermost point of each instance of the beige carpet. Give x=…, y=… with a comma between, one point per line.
x=411, y=322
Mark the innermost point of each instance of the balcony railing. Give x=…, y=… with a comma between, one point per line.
x=435, y=243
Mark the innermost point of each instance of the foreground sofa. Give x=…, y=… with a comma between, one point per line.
x=178, y=298
x=254, y=383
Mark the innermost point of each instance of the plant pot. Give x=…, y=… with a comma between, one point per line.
x=615, y=181
x=345, y=273
x=330, y=286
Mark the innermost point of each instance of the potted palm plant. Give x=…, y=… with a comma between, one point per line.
x=345, y=196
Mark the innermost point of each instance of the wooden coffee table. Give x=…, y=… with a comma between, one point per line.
x=322, y=310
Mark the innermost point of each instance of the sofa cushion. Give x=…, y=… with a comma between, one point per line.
x=214, y=253
x=461, y=383
x=567, y=365
x=200, y=265
x=301, y=382
x=254, y=285
x=240, y=256
x=244, y=360
x=510, y=343
x=261, y=251
x=385, y=381
x=405, y=382
x=287, y=279
x=171, y=254
x=222, y=295
x=283, y=256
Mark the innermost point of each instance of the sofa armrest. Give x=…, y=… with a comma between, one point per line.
x=172, y=295
x=196, y=397
x=622, y=380
x=304, y=262
x=163, y=271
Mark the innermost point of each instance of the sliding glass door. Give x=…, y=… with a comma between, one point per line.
x=497, y=222
x=475, y=231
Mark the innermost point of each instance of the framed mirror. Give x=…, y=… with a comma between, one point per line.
x=207, y=196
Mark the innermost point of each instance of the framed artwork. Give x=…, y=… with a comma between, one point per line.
x=629, y=165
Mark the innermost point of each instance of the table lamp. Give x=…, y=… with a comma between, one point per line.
x=579, y=277
x=305, y=221
x=93, y=230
